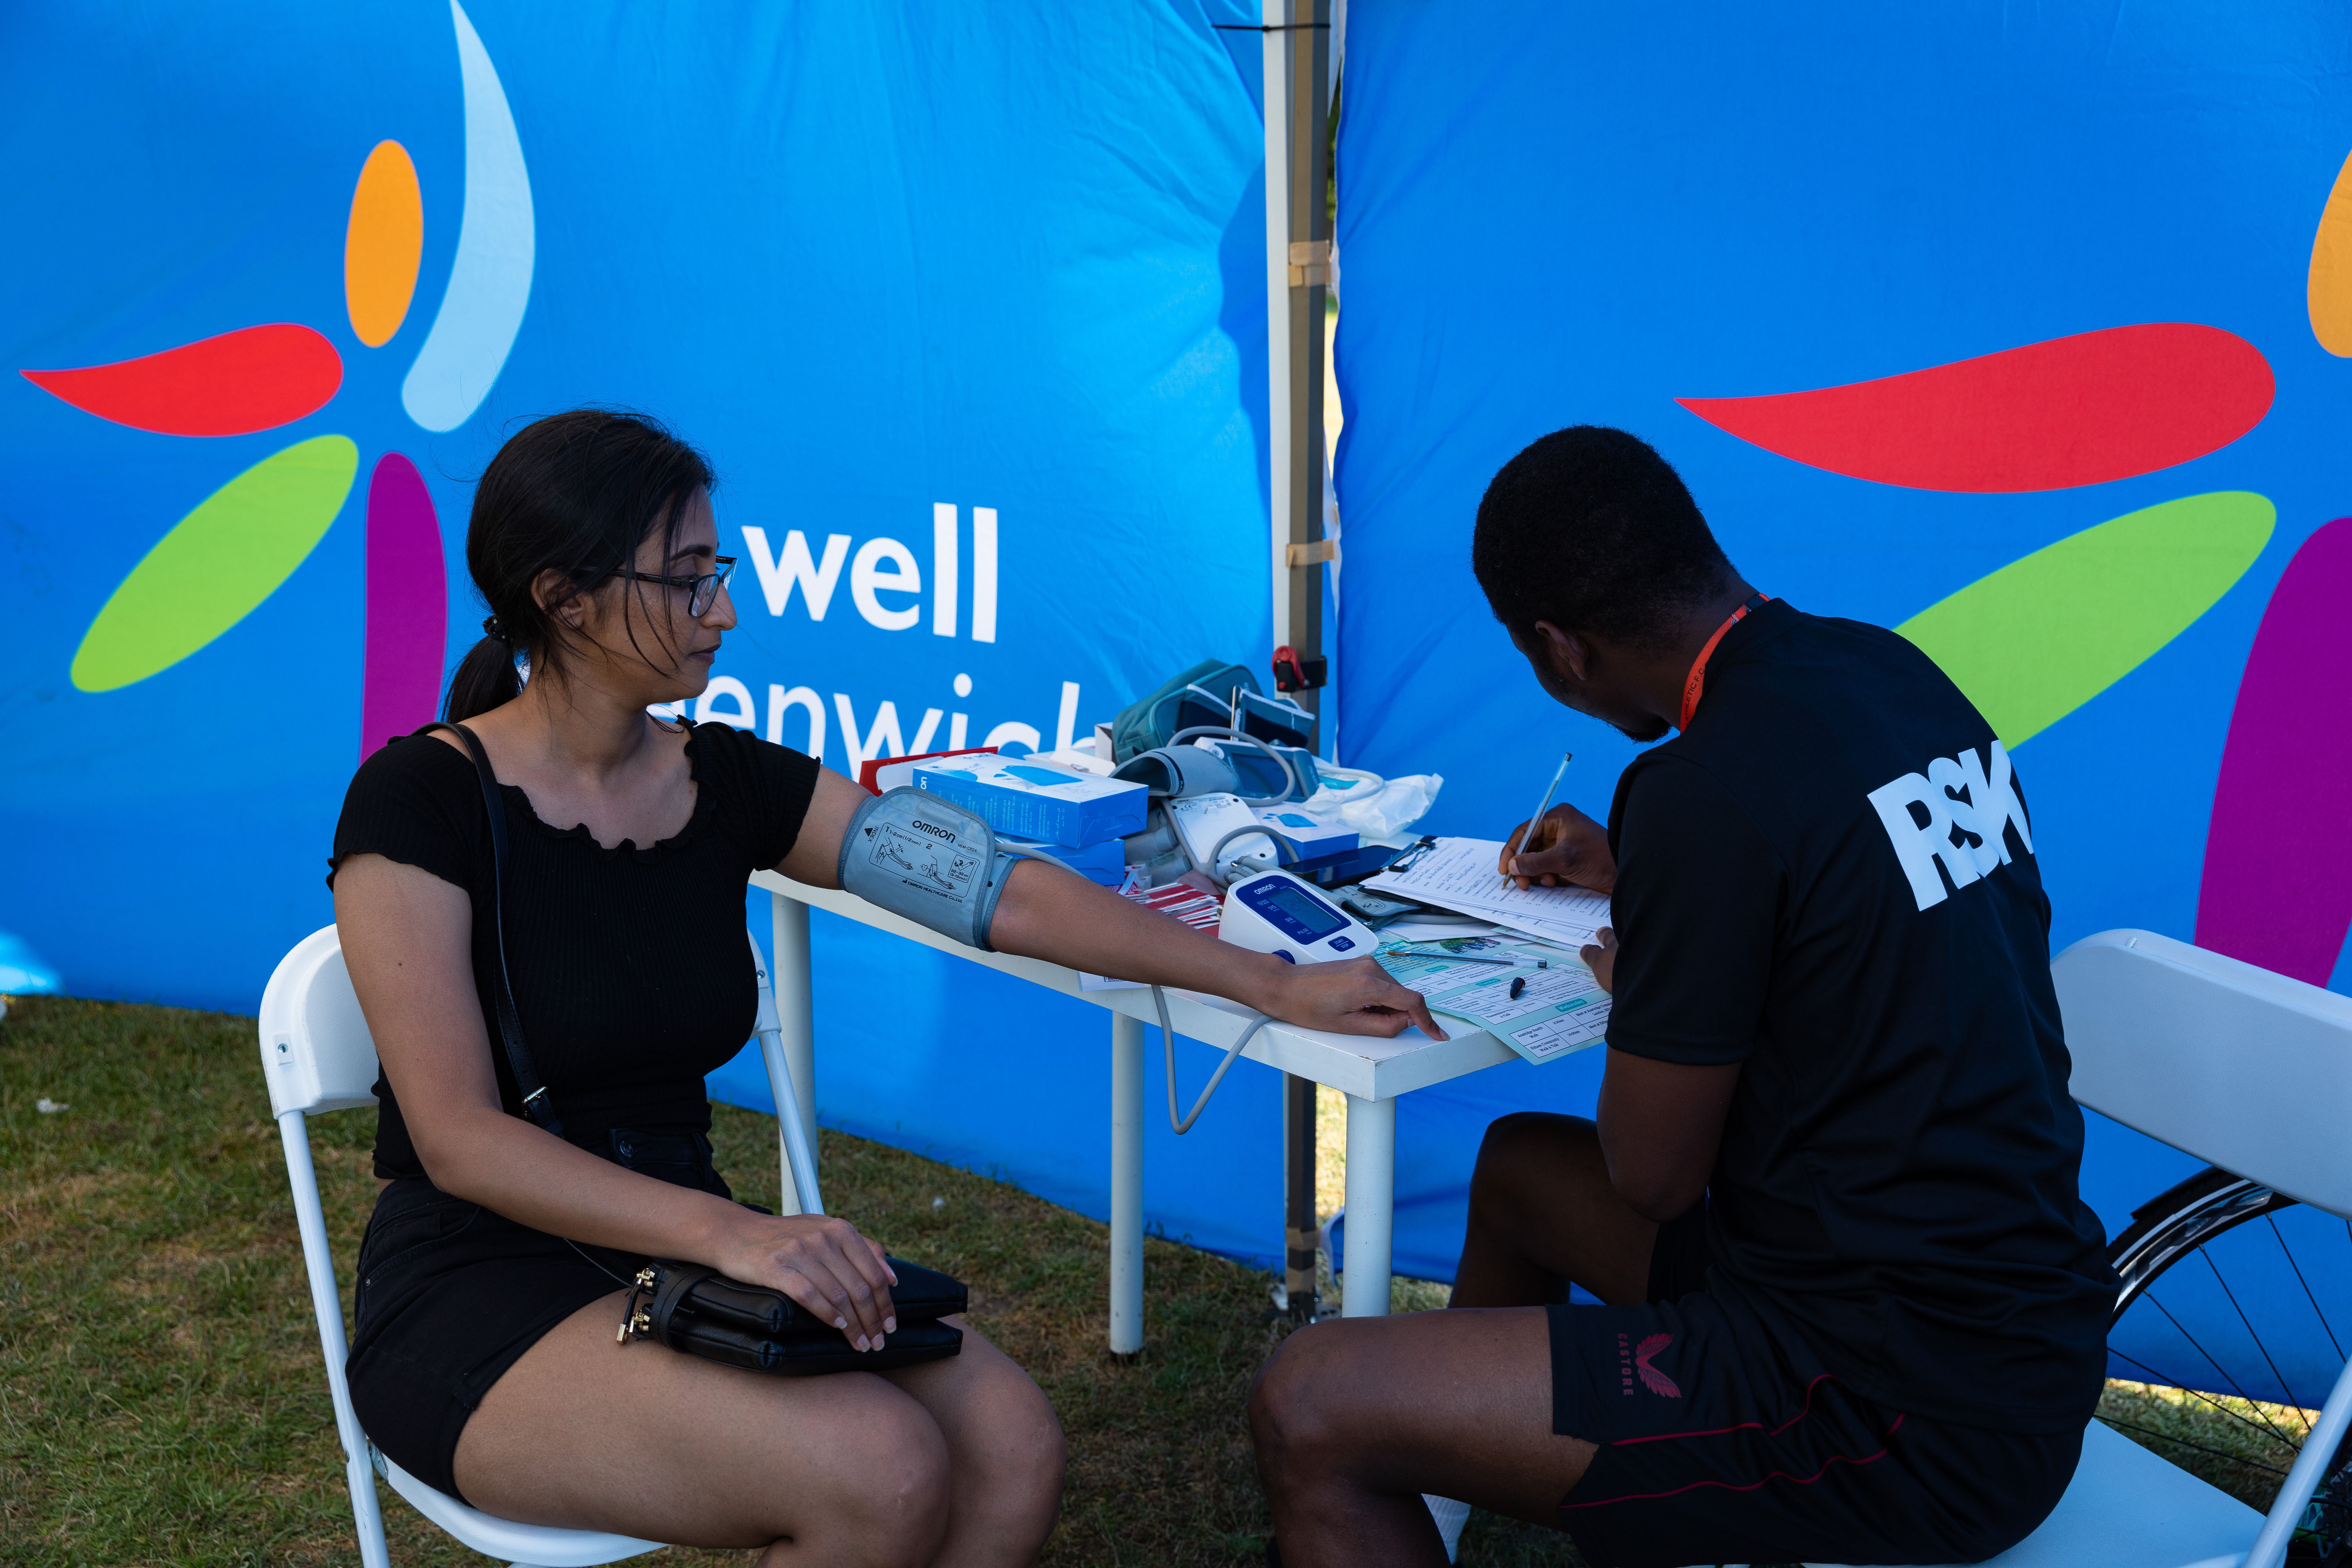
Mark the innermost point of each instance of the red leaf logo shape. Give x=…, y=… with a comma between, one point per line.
x=2079, y=410
x=1653, y=1380
x=255, y=378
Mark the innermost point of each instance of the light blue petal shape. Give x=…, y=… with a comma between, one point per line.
x=22, y=973
x=489, y=283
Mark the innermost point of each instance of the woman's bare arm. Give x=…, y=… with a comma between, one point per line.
x=407, y=940
x=1046, y=912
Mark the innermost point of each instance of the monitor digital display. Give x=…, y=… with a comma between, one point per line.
x=1297, y=913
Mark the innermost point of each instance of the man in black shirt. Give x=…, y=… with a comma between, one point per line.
x=1854, y=1309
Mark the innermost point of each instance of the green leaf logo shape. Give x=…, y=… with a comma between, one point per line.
x=2046, y=633
x=217, y=563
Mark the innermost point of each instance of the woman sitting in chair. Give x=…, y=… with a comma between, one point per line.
x=492, y=1276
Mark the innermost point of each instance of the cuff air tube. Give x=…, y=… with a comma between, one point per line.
x=933, y=861
x=929, y=860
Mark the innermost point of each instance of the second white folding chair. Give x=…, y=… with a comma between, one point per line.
x=2252, y=1072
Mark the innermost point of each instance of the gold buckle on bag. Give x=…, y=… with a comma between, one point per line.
x=636, y=1322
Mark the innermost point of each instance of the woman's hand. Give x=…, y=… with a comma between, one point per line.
x=1600, y=957
x=823, y=1264
x=1350, y=996
x=1564, y=848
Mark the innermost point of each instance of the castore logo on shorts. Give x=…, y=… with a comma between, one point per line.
x=1633, y=1361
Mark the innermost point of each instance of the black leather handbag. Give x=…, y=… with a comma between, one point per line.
x=695, y=1308
x=698, y=1310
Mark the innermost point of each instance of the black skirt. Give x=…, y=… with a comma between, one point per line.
x=451, y=1295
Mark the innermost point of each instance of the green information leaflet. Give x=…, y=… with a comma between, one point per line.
x=1559, y=1010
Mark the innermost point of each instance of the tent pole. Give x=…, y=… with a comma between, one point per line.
x=1276, y=14
x=1297, y=253
x=1300, y=1234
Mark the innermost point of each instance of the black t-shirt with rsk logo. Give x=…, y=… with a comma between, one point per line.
x=1830, y=878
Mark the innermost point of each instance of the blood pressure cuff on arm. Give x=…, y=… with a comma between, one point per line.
x=924, y=858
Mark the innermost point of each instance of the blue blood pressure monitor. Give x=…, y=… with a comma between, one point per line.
x=1276, y=912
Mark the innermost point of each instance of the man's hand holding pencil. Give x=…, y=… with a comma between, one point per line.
x=1564, y=848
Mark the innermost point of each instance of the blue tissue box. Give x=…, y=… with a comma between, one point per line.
x=1027, y=798
x=1316, y=843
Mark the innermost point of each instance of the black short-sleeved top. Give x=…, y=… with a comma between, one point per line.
x=1830, y=878
x=632, y=975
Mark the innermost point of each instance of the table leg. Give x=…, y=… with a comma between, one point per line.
x=1371, y=1207
x=1126, y=1183
x=796, y=989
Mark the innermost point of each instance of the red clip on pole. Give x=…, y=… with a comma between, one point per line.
x=1292, y=673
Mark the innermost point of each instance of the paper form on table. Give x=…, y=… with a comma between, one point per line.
x=1559, y=1010
x=1459, y=874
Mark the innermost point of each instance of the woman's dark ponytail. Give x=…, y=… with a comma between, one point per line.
x=574, y=494
x=486, y=678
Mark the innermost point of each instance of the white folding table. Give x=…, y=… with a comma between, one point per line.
x=1371, y=1072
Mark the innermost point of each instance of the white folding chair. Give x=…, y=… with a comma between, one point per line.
x=2247, y=1071
x=318, y=1056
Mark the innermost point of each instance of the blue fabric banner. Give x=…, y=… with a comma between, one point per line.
x=970, y=318
x=2022, y=332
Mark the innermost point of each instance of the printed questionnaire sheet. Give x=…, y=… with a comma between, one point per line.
x=1459, y=874
x=1559, y=1010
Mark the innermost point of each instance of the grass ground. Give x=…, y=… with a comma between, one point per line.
x=161, y=1399
x=2236, y=1444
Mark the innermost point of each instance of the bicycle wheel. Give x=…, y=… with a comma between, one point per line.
x=2239, y=1299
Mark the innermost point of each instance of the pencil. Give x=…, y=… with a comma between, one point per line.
x=1449, y=957
x=1558, y=774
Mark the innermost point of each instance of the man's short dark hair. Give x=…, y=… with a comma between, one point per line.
x=1591, y=530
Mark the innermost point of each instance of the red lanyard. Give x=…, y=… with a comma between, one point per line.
x=1694, y=683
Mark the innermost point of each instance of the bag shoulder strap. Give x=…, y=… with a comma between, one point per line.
x=535, y=1102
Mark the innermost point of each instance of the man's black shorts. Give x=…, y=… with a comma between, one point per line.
x=1722, y=1444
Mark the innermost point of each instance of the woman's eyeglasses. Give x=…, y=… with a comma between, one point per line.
x=704, y=589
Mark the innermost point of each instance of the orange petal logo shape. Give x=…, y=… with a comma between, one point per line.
x=2070, y=411
x=2328, y=292
x=382, y=244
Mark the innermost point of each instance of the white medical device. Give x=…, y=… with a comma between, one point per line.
x=1290, y=918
